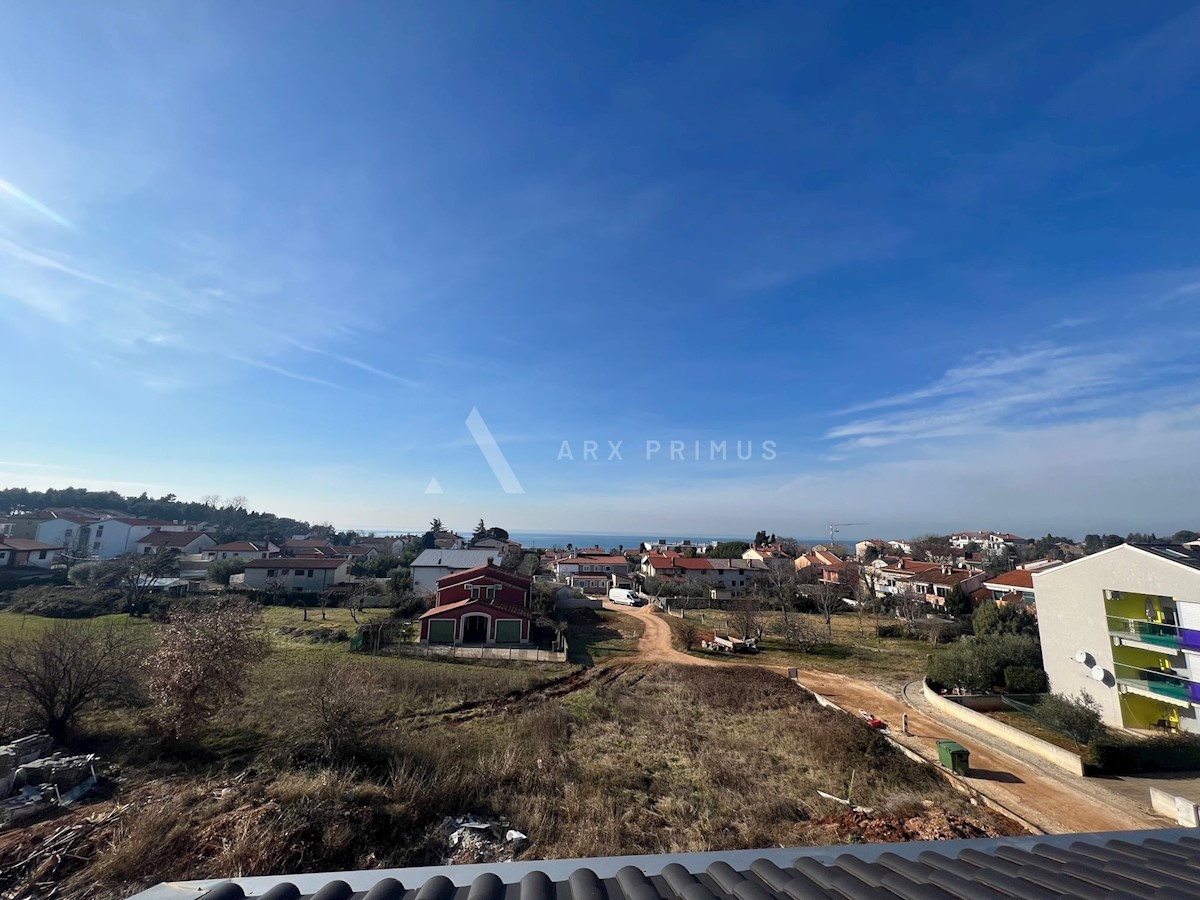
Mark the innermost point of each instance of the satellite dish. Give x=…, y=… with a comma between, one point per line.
x=1082, y=656
x=1098, y=673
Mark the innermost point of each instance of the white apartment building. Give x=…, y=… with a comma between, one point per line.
x=1124, y=626
x=103, y=538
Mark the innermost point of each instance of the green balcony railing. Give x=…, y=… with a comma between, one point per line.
x=1147, y=632
x=1165, y=684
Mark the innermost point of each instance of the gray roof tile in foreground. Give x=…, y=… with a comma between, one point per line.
x=1129, y=865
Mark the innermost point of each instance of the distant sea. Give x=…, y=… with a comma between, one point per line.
x=548, y=539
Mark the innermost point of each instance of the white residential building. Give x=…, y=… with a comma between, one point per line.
x=104, y=538
x=309, y=574
x=22, y=552
x=242, y=550
x=990, y=543
x=434, y=564
x=186, y=542
x=1124, y=626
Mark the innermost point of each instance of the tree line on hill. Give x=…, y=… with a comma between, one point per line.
x=229, y=518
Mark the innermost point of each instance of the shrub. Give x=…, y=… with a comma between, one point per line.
x=201, y=664
x=961, y=667
x=64, y=602
x=220, y=571
x=1117, y=754
x=339, y=701
x=991, y=618
x=1024, y=680
x=1076, y=717
x=976, y=665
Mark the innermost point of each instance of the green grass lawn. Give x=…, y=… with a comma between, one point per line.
x=23, y=625
x=854, y=649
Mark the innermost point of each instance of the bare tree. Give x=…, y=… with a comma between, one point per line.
x=69, y=668
x=135, y=575
x=202, y=662
x=827, y=599
x=910, y=607
x=746, y=616
x=863, y=585
x=340, y=704
x=688, y=635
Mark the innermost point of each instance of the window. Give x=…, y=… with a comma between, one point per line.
x=270, y=573
x=310, y=573
x=96, y=547
x=41, y=554
x=99, y=530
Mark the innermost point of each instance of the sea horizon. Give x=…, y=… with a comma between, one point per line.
x=606, y=539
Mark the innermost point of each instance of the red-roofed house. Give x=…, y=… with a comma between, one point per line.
x=773, y=555
x=242, y=550
x=726, y=578
x=936, y=584
x=829, y=564
x=308, y=547
x=183, y=541
x=1017, y=586
x=313, y=575
x=484, y=605
x=894, y=573
x=22, y=552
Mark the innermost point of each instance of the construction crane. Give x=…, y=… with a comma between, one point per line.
x=835, y=527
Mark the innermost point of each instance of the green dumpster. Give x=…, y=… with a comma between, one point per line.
x=954, y=756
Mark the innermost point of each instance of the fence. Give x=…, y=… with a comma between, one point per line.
x=517, y=654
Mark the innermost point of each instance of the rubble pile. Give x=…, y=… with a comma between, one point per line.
x=934, y=824
x=473, y=839
x=32, y=780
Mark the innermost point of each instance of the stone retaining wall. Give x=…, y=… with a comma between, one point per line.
x=1064, y=759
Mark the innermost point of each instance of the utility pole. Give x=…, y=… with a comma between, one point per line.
x=835, y=527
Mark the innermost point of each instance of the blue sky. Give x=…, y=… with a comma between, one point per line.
x=944, y=257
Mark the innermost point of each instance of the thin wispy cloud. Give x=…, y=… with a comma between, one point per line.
x=355, y=363
x=996, y=370
x=286, y=373
x=41, y=261
x=28, y=465
x=993, y=391
x=11, y=190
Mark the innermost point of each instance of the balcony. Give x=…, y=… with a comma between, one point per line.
x=1147, y=634
x=1157, y=684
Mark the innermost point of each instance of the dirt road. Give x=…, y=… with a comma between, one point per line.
x=1056, y=804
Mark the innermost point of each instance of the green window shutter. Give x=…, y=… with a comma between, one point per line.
x=441, y=631
x=508, y=631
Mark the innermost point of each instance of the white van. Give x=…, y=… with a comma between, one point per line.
x=625, y=597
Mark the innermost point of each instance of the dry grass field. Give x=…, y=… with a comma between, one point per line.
x=599, y=761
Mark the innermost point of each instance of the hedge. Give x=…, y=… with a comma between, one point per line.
x=1024, y=680
x=1115, y=754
